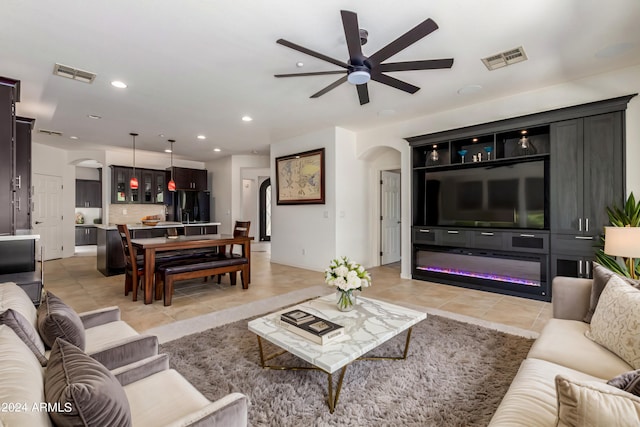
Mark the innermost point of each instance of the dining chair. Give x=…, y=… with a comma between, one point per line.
x=240, y=229
x=134, y=268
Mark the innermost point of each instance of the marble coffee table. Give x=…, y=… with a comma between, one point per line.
x=370, y=324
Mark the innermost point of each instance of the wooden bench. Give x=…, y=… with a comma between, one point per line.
x=167, y=274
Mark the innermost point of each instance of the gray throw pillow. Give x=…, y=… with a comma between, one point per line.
x=83, y=390
x=601, y=276
x=57, y=319
x=26, y=332
x=629, y=382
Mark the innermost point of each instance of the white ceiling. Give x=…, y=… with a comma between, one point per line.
x=197, y=66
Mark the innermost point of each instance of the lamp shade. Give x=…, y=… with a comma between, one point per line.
x=171, y=186
x=622, y=241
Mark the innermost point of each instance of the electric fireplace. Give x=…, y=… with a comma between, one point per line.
x=520, y=274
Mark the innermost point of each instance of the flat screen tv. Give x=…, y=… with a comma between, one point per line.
x=511, y=195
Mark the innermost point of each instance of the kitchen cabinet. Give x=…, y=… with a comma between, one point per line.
x=86, y=235
x=190, y=179
x=9, y=90
x=22, y=180
x=88, y=193
x=151, y=185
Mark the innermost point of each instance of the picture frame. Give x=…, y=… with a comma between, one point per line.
x=300, y=178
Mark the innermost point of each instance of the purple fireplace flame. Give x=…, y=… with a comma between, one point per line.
x=487, y=276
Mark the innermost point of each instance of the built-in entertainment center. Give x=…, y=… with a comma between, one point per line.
x=506, y=206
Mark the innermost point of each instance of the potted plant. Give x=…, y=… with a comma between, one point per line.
x=627, y=216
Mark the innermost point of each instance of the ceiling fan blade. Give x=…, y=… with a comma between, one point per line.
x=407, y=39
x=330, y=87
x=393, y=82
x=429, y=64
x=363, y=93
x=351, y=33
x=315, y=73
x=310, y=52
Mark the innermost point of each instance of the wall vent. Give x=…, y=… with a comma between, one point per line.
x=50, y=132
x=508, y=57
x=73, y=73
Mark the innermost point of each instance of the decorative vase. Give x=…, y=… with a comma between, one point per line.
x=346, y=300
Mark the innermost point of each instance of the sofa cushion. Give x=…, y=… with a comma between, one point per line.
x=57, y=319
x=564, y=342
x=153, y=399
x=616, y=321
x=601, y=276
x=587, y=403
x=22, y=382
x=13, y=296
x=25, y=331
x=102, y=336
x=629, y=382
x=531, y=398
x=87, y=393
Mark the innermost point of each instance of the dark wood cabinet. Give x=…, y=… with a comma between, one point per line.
x=583, y=152
x=15, y=161
x=86, y=235
x=88, y=193
x=586, y=173
x=190, y=179
x=151, y=185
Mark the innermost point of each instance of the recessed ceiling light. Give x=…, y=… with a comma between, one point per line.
x=73, y=137
x=246, y=119
x=201, y=137
x=118, y=84
x=94, y=116
x=217, y=150
x=168, y=150
x=299, y=64
x=161, y=135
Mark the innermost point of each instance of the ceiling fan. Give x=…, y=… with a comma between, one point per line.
x=360, y=69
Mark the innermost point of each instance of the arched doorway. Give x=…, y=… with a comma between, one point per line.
x=265, y=210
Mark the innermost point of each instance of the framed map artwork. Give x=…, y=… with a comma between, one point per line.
x=300, y=178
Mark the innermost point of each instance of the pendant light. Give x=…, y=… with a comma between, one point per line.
x=133, y=183
x=171, y=186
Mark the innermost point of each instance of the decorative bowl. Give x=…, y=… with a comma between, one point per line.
x=150, y=222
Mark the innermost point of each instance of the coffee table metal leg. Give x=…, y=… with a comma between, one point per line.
x=333, y=401
x=404, y=354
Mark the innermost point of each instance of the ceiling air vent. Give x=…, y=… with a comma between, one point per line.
x=73, y=73
x=505, y=58
x=50, y=132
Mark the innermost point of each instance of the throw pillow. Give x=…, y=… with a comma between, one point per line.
x=83, y=390
x=57, y=319
x=590, y=403
x=616, y=321
x=601, y=276
x=26, y=332
x=629, y=382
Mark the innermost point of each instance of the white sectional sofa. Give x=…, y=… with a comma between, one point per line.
x=123, y=382
x=564, y=351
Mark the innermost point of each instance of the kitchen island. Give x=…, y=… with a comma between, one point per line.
x=110, y=258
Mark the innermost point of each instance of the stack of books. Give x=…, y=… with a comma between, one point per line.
x=314, y=328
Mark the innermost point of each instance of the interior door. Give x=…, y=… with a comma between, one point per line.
x=47, y=213
x=390, y=217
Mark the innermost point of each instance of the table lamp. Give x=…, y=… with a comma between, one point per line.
x=623, y=242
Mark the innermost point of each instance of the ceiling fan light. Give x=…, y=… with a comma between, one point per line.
x=358, y=77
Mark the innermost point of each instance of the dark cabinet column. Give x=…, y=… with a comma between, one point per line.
x=7, y=135
x=22, y=179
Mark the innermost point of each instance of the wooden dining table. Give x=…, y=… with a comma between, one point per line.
x=150, y=246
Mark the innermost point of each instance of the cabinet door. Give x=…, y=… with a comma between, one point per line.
x=7, y=132
x=79, y=236
x=199, y=178
x=160, y=186
x=603, y=171
x=92, y=236
x=23, y=172
x=93, y=191
x=571, y=266
x=80, y=196
x=134, y=194
x=566, y=185
x=120, y=184
x=182, y=178
x=147, y=185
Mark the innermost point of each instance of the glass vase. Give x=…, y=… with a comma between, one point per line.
x=346, y=300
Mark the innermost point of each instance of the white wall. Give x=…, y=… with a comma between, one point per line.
x=220, y=173
x=305, y=235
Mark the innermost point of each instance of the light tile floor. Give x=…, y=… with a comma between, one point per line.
x=77, y=281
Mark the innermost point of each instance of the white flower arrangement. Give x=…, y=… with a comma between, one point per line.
x=347, y=275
